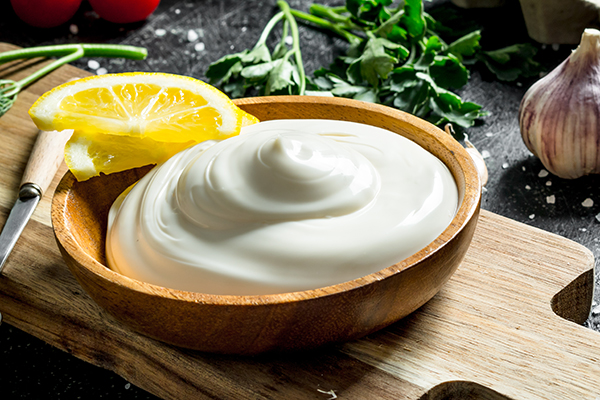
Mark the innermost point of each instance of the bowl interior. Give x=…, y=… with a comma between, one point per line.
x=81, y=213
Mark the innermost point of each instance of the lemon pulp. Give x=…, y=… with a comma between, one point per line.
x=123, y=121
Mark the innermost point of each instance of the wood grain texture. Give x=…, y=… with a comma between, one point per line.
x=490, y=333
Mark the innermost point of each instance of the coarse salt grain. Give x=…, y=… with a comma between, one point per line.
x=505, y=165
x=192, y=36
x=485, y=154
x=551, y=199
x=598, y=217
x=588, y=203
x=531, y=216
x=74, y=29
x=101, y=71
x=93, y=64
x=527, y=187
x=199, y=46
x=160, y=32
x=543, y=173
x=549, y=183
x=289, y=40
x=523, y=169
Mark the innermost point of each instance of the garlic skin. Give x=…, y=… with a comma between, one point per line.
x=559, y=115
x=476, y=156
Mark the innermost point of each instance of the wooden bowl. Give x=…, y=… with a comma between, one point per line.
x=290, y=321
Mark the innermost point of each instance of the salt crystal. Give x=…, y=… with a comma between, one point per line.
x=543, y=173
x=523, y=169
x=588, y=203
x=289, y=40
x=531, y=216
x=199, y=46
x=598, y=217
x=160, y=32
x=485, y=154
x=527, y=187
x=231, y=47
x=127, y=386
x=192, y=36
x=489, y=134
x=178, y=11
x=596, y=311
x=505, y=165
x=244, y=28
x=549, y=183
x=519, y=84
x=74, y=29
x=551, y=199
x=93, y=64
x=583, y=229
x=101, y=71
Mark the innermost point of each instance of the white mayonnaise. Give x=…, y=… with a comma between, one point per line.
x=288, y=205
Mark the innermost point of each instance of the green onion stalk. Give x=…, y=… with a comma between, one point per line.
x=66, y=53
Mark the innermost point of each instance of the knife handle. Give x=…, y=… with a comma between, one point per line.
x=46, y=158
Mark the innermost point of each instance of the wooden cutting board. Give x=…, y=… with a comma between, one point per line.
x=491, y=333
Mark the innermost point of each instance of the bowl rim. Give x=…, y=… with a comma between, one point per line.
x=467, y=210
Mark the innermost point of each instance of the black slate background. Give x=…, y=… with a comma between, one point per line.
x=515, y=189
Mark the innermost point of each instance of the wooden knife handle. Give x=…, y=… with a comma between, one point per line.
x=45, y=158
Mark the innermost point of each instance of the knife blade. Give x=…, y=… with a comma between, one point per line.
x=44, y=161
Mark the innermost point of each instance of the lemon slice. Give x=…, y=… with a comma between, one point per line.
x=122, y=121
x=88, y=155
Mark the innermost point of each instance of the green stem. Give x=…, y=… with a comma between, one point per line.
x=323, y=23
x=386, y=27
x=285, y=8
x=89, y=50
x=77, y=54
x=412, y=55
x=268, y=28
x=339, y=9
x=329, y=13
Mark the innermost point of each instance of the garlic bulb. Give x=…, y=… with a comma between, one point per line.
x=559, y=115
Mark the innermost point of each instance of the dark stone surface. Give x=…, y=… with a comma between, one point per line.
x=515, y=189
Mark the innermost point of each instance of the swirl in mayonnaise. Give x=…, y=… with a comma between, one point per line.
x=288, y=205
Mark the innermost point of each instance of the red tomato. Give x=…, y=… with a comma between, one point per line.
x=45, y=13
x=124, y=11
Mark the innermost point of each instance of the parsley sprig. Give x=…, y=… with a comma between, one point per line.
x=270, y=73
x=395, y=57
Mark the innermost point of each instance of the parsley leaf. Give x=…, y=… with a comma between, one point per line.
x=397, y=55
x=376, y=61
x=512, y=62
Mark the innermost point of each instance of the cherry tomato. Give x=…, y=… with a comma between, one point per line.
x=124, y=11
x=45, y=13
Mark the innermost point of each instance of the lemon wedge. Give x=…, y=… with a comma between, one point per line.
x=127, y=120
